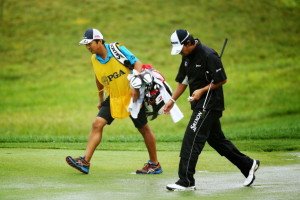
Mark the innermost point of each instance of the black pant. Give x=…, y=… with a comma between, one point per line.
x=201, y=128
x=104, y=112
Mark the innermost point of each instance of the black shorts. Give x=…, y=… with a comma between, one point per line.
x=104, y=112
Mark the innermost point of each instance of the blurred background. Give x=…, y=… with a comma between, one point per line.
x=47, y=85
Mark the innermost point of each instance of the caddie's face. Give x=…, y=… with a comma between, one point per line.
x=92, y=46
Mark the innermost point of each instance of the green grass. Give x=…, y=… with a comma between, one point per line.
x=48, y=97
x=47, y=85
x=43, y=174
x=130, y=144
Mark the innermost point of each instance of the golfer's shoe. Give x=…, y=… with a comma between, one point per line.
x=150, y=168
x=177, y=187
x=251, y=177
x=79, y=163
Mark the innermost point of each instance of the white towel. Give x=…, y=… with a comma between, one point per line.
x=175, y=112
x=134, y=107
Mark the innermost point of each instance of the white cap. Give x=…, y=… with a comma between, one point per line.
x=177, y=40
x=90, y=35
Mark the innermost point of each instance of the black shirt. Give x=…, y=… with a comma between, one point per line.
x=197, y=70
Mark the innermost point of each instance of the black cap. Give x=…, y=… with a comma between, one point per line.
x=177, y=39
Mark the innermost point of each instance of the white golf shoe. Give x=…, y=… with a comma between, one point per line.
x=251, y=177
x=176, y=187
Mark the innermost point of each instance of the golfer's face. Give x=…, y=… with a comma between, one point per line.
x=184, y=51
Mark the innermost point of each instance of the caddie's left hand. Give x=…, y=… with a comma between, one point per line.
x=135, y=93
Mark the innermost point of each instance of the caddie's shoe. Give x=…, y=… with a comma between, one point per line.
x=150, y=168
x=79, y=163
x=251, y=176
x=177, y=187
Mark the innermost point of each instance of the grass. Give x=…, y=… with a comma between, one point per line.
x=269, y=145
x=43, y=174
x=259, y=135
x=48, y=97
x=47, y=85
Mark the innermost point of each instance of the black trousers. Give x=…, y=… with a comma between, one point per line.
x=201, y=128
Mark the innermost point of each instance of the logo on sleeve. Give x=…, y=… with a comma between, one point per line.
x=218, y=70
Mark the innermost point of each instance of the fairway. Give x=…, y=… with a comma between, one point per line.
x=49, y=98
x=43, y=174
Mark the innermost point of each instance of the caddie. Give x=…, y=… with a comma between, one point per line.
x=112, y=64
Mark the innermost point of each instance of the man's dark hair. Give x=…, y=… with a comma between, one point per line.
x=103, y=41
x=190, y=40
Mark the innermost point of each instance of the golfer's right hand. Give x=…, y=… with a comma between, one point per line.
x=168, y=106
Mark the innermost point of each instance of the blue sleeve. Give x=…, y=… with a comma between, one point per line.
x=132, y=59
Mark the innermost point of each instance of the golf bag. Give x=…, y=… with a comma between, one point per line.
x=153, y=100
x=150, y=79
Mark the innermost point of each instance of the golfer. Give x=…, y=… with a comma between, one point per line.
x=201, y=69
x=111, y=77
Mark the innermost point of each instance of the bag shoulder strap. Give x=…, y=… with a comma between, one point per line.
x=119, y=56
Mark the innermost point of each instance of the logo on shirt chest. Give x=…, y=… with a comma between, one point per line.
x=186, y=63
x=115, y=75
